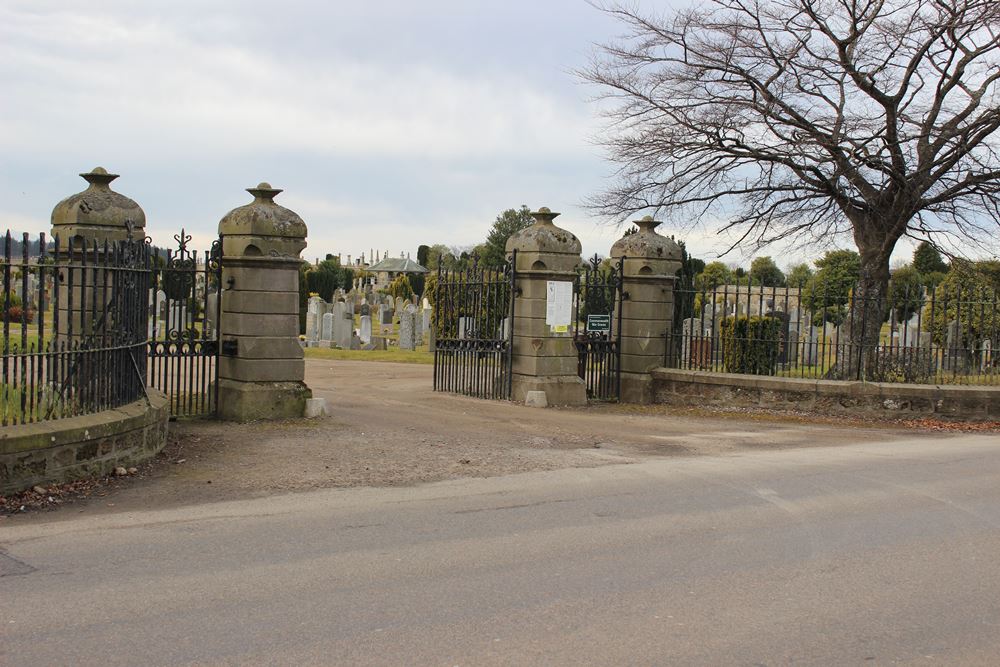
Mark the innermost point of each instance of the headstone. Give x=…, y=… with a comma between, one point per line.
x=399, y=305
x=408, y=327
x=911, y=332
x=343, y=325
x=385, y=319
x=161, y=306
x=355, y=343
x=466, y=326
x=314, y=318
x=366, y=310
x=952, y=353
x=211, y=316
x=425, y=324
x=326, y=331
x=810, y=347
x=366, y=329
x=986, y=355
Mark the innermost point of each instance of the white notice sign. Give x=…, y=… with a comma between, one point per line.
x=558, y=303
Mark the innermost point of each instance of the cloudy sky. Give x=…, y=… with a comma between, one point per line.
x=389, y=123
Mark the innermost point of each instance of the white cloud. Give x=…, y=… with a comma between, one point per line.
x=147, y=82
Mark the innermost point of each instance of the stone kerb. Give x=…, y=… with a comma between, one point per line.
x=649, y=265
x=544, y=356
x=261, y=371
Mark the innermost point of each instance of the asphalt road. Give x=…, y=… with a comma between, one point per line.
x=858, y=554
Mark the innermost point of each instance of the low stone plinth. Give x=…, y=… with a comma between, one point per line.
x=704, y=388
x=88, y=446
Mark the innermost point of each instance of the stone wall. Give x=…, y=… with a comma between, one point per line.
x=701, y=388
x=87, y=446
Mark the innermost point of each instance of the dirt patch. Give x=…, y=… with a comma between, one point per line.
x=387, y=428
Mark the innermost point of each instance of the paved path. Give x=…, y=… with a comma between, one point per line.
x=866, y=553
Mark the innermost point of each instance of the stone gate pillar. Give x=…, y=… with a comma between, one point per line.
x=544, y=355
x=97, y=215
x=648, y=274
x=261, y=369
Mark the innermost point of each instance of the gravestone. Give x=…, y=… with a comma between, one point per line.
x=426, y=319
x=314, y=318
x=343, y=325
x=911, y=332
x=365, y=333
x=326, y=330
x=810, y=347
x=408, y=328
x=466, y=327
x=211, y=316
x=366, y=310
x=385, y=319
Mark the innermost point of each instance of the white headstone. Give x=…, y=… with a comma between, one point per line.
x=366, y=329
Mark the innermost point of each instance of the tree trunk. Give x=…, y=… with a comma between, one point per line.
x=857, y=344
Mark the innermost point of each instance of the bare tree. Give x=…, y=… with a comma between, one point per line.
x=811, y=119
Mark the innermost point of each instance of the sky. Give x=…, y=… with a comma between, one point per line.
x=388, y=123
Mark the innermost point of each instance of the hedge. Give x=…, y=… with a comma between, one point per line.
x=750, y=345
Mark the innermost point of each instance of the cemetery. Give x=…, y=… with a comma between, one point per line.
x=107, y=336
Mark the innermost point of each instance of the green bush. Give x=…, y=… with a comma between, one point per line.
x=751, y=344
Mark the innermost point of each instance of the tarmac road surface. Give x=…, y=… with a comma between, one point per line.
x=865, y=553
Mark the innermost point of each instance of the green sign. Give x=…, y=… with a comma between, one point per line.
x=599, y=323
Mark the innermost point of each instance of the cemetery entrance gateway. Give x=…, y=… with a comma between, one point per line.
x=184, y=327
x=598, y=296
x=473, y=328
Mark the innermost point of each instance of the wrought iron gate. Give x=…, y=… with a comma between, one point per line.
x=183, y=327
x=598, y=296
x=474, y=327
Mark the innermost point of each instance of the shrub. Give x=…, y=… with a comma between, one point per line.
x=750, y=344
x=400, y=287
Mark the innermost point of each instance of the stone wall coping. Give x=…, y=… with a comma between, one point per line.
x=828, y=387
x=59, y=432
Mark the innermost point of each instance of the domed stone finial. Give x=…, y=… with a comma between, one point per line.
x=646, y=243
x=98, y=213
x=264, y=192
x=647, y=225
x=544, y=216
x=99, y=178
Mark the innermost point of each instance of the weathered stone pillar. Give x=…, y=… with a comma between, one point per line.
x=261, y=370
x=544, y=355
x=648, y=274
x=97, y=215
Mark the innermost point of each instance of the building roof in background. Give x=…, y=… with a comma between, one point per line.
x=397, y=265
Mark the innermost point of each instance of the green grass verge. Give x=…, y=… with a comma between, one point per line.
x=396, y=356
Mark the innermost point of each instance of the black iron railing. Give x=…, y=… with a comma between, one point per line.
x=944, y=335
x=74, y=327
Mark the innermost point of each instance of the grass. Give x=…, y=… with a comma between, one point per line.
x=421, y=356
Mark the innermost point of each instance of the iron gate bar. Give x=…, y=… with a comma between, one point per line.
x=599, y=354
x=472, y=354
x=183, y=361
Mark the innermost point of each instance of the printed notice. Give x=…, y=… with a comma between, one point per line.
x=558, y=303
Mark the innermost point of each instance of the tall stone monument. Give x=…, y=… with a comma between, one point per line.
x=261, y=370
x=649, y=270
x=544, y=355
